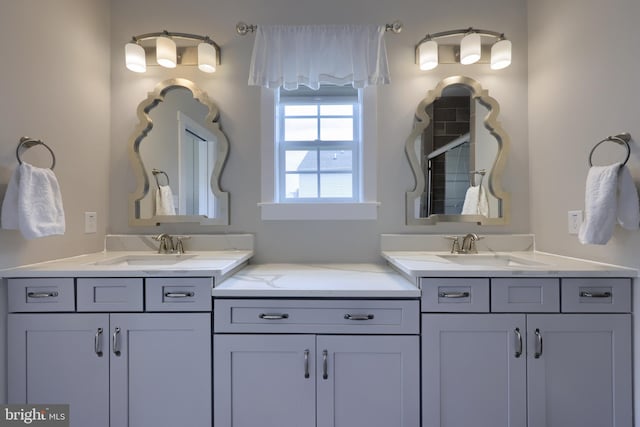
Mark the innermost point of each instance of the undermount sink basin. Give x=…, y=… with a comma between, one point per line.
x=491, y=260
x=150, y=259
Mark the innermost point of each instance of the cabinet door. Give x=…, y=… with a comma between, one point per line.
x=368, y=381
x=264, y=380
x=61, y=359
x=473, y=370
x=582, y=375
x=160, y=370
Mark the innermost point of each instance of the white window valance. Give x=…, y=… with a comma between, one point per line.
x=287, y=56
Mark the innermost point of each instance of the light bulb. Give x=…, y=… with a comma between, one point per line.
x=134, y=57
x=501, y=54
x=428, y=55
x=166, y=52
x=470, y=49
x=207, y=57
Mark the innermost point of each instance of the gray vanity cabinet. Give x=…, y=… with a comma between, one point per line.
x=61, y=359
x=567, y=369
x=296, y=373
x=114, y=369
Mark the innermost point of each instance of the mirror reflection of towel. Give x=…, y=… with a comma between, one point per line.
x=475, y=201
x=164, y=201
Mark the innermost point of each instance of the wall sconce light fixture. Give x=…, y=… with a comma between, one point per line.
x=167, y=54
x=429, y=54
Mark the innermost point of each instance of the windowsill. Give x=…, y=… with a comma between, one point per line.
x=319, y=211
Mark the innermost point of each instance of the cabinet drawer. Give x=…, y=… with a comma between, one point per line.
x=596, y=295
x=118, y=294
x=317, y=316
x=178, y=294
x=533, y=295
x=50, y=294
x=455, y=295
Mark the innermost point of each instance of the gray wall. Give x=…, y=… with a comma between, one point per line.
x=240, y=114
x=583, y=71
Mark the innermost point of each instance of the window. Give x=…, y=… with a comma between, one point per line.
x=318, y=145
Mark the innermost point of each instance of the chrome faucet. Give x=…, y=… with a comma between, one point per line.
x=166, y=243
x=469, y=244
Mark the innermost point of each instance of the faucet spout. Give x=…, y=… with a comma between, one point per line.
x=469, y=244
x=166, y=243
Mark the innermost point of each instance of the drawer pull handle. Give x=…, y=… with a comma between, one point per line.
x=97, y=342
x=306, y=363
x=51, y=294
x=179, y=294
x=454, y=294
x=274, y=316
x=519, y=343
x=116, y=341
x=589, y=294
x=325, y=364
x=349, y=316
x=538, y=352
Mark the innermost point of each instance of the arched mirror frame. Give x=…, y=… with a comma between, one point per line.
x=494, y=180
x=142, y=175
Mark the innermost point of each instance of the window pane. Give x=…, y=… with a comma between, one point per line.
x=336, y=129
x=336, y=110
x=301, y=160
x=336, y=185
x=300, y=110
x=300, y=129
x=336, y=160
x=301, y=185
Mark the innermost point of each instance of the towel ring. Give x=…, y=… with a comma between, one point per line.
x=621, y=138
x=157, y=172
x=26, y=143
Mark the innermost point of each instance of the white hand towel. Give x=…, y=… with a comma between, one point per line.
x=33, y=203
x=475, y=201
x=164, y=201
x=610, y=197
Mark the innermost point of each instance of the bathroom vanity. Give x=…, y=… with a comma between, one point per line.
x=124, y=337
x=521, y=338
x=504, y=337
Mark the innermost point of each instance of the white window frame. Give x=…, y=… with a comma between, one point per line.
x=318, y=145
x=364, y=209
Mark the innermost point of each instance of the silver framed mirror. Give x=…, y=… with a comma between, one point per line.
x=457, y=152
x=178, y=152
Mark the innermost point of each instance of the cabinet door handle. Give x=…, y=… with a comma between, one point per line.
x=97, y=342
x=519, y=342
x=589, y=294
x=325, y=364
x=116, y=341
x=454, y=294
x=273, y=316
x=538, y=352
x=51, y=294
x=306, y=363
x=349, y=316
x=179, y=294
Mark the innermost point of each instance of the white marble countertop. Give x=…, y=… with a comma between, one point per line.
x=218, y=264
x=317, y=280
x=415, y=264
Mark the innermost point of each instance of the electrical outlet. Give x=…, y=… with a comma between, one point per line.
x=575, y=220
x=90, y=222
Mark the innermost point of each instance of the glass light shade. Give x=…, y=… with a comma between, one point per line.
x=470, y=49
x=166, y=52
x=134, y=57
x=500, y=54
x=428, y=55
x=207, y=58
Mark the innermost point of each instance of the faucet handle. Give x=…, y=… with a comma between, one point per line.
x=180, y=244
x=455, y=245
